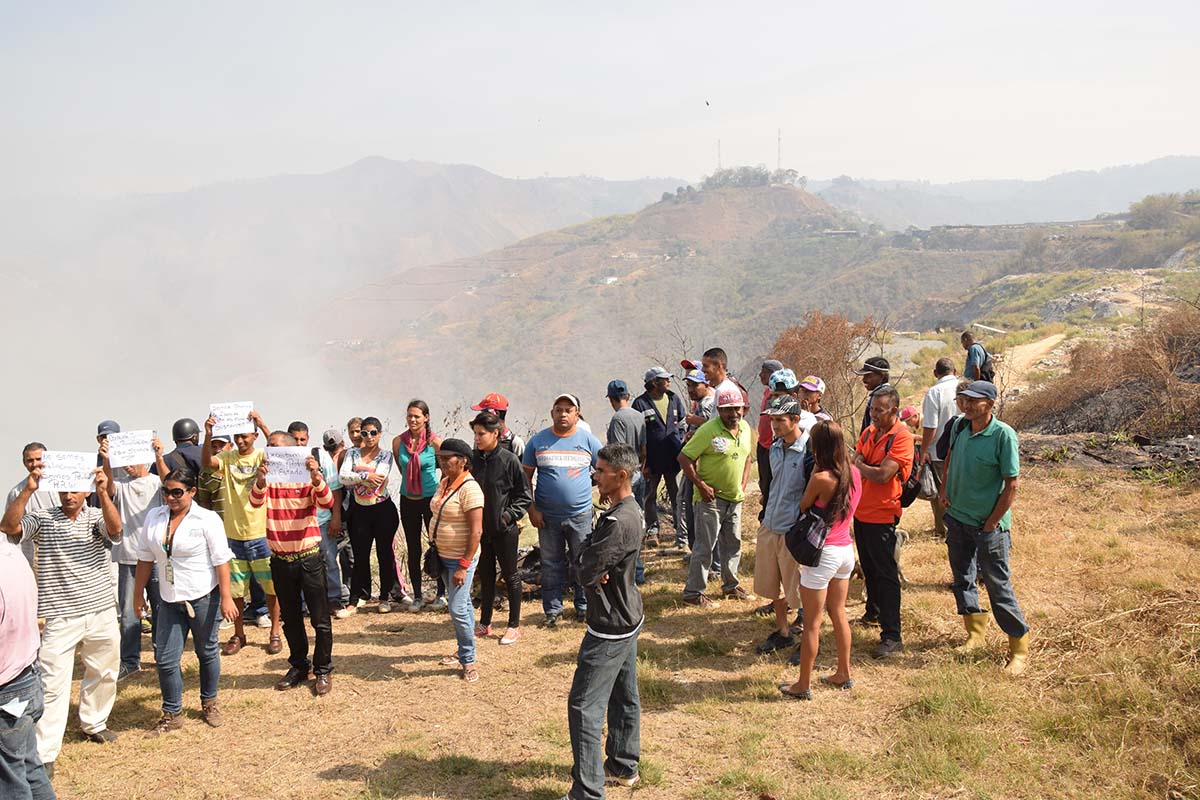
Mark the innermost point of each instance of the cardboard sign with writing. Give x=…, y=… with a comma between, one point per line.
x=286, y=465
x=130, y=448
x=64, y=471
x=232, y=418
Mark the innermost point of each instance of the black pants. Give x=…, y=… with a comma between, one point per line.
x=651, y=499
x=877, y=555
x=502, y=547
x=373, y=524
x=764, y=477
x=305, y=578
x=415, y=516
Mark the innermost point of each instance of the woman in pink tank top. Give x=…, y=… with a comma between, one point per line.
x=833, y=488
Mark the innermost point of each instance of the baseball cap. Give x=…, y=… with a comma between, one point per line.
x=784, y=405
x=566, y=396
x=106, y=427
x=222, y=437
x=783, y=379
x=331, y=438
x=772, y=365
x=491, y=402
x=654, y=373
x=877, y=364
x=730, y=398
x=697, y=376
x=813, y=384
x=690, y=363
x=908, y=412
x=984, y=389
x=616, y=389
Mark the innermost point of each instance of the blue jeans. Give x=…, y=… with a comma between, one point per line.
x=971, y=551
x=174, y=624
x=605, y=685
x=462, y=612
x=131, y=626
x=560, y=540
x=337, y=592
x=22, y=775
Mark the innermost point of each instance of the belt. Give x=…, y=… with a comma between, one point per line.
x=23, y=673
x=312, y=551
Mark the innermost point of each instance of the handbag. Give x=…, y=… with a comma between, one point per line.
x=806, y=537
x=432, y=564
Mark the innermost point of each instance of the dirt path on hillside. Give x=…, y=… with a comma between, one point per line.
x=1019, y=361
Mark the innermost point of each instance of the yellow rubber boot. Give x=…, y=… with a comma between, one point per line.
x=1018, y=650
x=975, y=624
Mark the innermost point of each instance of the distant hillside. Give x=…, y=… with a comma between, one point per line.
x=1068, y=196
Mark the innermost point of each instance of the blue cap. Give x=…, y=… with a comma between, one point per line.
x=617, y=389
x=981, y=389
x=783, y=380
x=697, y=376
x=106, y=427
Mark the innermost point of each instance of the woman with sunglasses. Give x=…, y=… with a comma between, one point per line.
x=366, y=471
x=415, y=452
x=185, y=545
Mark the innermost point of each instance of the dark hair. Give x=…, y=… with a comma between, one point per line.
x=297, y=427
x=371, y=421
x=32, y=446
x=967, y=336
x=421, y=404
x=717, y=355
x=289, y=440
x=182, y=475
x=891, y=392
x=829, y=455
x=620, y=456
x=354, y=420
x=943, y=367
x=488, y=421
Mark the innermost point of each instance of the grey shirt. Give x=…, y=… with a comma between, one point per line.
x=627, y=426
x=40, y=501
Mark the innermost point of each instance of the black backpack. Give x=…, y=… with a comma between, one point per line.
x=910, y=487
x=987, y=370
x=942, y=448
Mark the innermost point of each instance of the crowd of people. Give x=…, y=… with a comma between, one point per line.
x=203, y=539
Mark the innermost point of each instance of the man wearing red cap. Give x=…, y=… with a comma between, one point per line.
x=497, y=404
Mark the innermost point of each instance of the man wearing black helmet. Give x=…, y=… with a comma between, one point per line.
x=186, y=434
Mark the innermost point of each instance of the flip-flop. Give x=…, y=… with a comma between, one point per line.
x=470, y=674
x=785, y=690
x=448, y=661
x=845, y=685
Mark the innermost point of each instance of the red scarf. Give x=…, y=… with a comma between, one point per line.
x=413, y=486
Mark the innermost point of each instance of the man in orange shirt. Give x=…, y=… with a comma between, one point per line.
x=884, y=456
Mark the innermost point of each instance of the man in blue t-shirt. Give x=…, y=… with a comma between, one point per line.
x=562, y=456
x=976, y=357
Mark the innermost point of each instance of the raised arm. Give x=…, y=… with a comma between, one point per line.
x=112, y=519
x=10, y=523
x=208, y=458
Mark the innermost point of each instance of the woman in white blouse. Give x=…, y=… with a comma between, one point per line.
x=186, y=546
x=366, y=472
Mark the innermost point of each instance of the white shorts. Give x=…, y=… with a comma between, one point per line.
x=837, y=561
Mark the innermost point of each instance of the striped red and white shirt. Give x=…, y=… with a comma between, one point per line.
x=292, y=514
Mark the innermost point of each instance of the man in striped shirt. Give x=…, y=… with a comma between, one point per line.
x=75, y=595
x=297, y=566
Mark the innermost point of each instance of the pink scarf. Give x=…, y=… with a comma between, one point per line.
x=412, y=473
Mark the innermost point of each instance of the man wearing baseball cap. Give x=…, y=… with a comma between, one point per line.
x=717, y=462
x=498, y=404
x=562, y=456
x=812, y=390
x=875, y=372
x=664, y=413
x=763, y=449
x=978, y=487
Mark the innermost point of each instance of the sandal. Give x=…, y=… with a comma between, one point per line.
x=845, y=685
x=274, y=645
x=448, y=661
x=470, y=674
x=235, y=644
x=785, y=689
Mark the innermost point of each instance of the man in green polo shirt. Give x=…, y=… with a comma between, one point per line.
x=717, y=462
x=978, y=487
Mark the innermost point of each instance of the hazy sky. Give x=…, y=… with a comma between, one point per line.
x=118, y=97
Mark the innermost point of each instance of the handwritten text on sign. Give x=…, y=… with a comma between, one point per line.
x=286, y=465
x=232, y=418
x=64, y=471
x=130, y=448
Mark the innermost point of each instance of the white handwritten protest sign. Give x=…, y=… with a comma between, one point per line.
x=130, y=448
x=64, y=471
x=232, y=417
x=286, y=465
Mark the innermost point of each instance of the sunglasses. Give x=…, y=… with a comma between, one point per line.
x=370, y=433
x=174, y=494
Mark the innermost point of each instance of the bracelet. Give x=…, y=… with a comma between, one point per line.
x=464, y=563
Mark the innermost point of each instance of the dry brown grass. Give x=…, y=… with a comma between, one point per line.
x=1104, y=568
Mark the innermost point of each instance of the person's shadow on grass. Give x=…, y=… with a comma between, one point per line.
x=408, y=773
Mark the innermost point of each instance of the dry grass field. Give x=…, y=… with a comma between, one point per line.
x=1105, y=568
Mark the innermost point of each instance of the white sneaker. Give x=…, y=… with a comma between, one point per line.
x=360, y=603
x=226, y=624
x=264, y=621
x=385, y=607
x=345, y=611
x=439, y=604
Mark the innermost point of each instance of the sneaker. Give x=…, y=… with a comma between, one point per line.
x=738, y=593
x=166, y=724
x=483, y=630
x=765, y=611
x=702, y=600
x=385, y=607
x=226, y=624
x=147, y=628
x=264, y=621
x=551, y=621
x=867, y=621
x=776, y=641
x=101, y=737
x=581, y=614
x=438, y=604
x=887, y=648
x=797, y=626
x=126, y=672
x=413, y=604
x=345, y=611
x=511, y=636
x=211, y=714
x=628, y=781
x=360, y=602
